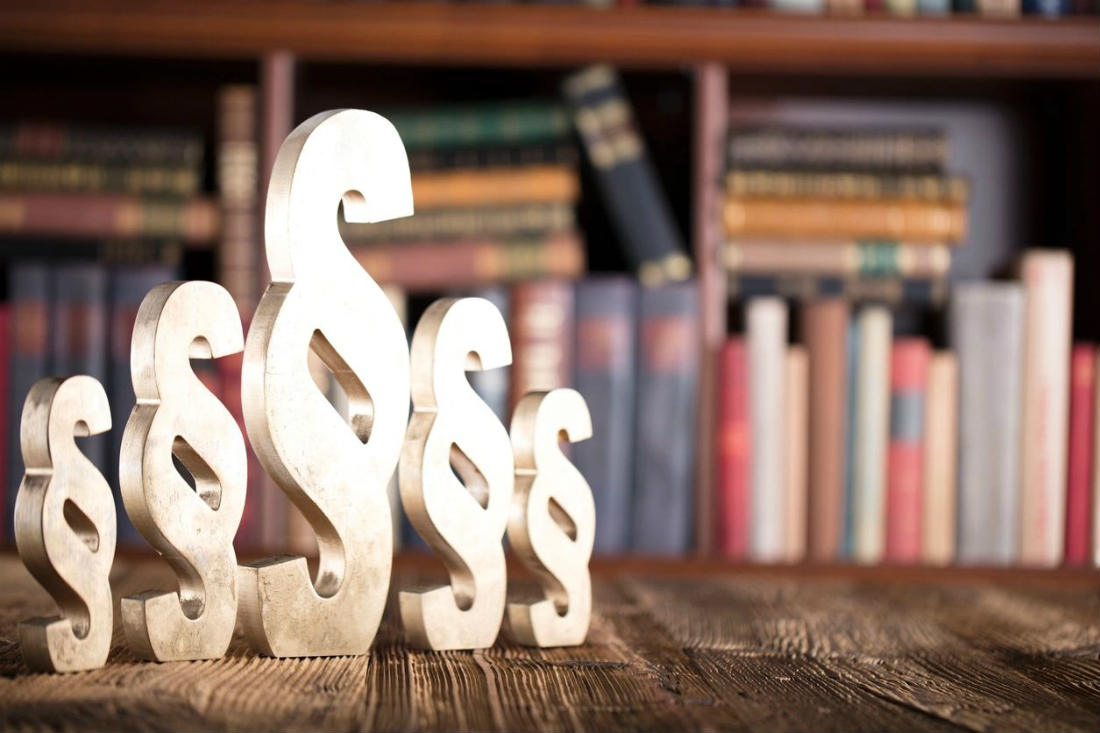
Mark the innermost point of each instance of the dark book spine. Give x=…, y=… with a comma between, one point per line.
x=80, y=337
x=604, y=375
x=668, y=372
x=51, y=140
x=478, y=221
x=626, y=177
x=554, y=152
x=507, y=123
x=911, y=151
x=892, y=291
x=5, y=409
x=129, y=285
x=28, y=174
x=29, y=289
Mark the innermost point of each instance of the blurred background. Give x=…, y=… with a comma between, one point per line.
x=824, y=270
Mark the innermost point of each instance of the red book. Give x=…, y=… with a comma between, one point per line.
x=249, y=532
x=733, y=449
x=909, y=359
x=1082, y=391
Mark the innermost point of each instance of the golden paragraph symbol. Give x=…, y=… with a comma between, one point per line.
x=65, y=525
x=192, y=528
x=334, y=471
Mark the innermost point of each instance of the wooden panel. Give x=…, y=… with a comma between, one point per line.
x=526, y=35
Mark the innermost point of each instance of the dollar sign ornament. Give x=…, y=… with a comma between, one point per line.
x=193, y=528
x=65, y=525
x=463, y=517
x=334, y=470
x=553, y=519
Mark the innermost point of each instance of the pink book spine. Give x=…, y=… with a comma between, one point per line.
x=909, y=359
x=1082, y=386
x=733, y=450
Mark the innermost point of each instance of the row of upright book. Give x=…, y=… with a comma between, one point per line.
x=908, y=8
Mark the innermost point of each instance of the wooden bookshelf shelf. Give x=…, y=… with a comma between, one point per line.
x=514, y=35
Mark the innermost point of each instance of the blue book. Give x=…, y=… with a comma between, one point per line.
x=604, y=375
x=847, y=530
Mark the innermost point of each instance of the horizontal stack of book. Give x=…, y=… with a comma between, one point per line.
x=907, y=8
x=859, y=445
x=853, y=212
x=495, y=187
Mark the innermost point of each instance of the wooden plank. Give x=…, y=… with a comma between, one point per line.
x=420, y=32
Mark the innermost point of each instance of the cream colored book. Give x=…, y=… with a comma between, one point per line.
x=797, y=429
x=871, y=434
x=1047, y=276
x=767, y=336
x=940, y=457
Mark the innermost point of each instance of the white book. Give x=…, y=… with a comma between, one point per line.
x=797, y=446
x=767, y=338
x=871, y=434
x=1047, y=276
x=940, y=460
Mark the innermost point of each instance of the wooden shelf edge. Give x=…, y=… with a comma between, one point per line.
x=516, y=35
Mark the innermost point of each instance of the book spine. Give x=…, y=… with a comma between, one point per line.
x=604, y=375
x=766, y=320
x=870, y=434
x=66, y=142
x=765, y=183
x=668, y=374
x=1048, y=280
x=495, y=187
x=6, y=404
x=886, y=150
x=238, y=187
x=474, y=221
x=796, y=427
x=999, y=8
x=909, y=358
x=542, y=337
x=25, y=174
x=901, y=8
x=108, y=215
x=797, y=6
x=491, y=385
x=986, y=332
x=817, y=218
x=848, y=520
x=940, y=460
x=933, y=7
x=734, y=450
x=844, y=7
x=473, y=262
x=625, y=175
x=805, y=286
x=868, y=260
x=825, y=332
x=1095, y=471
x=480, y=125
x=1079, y=475
x=558, y=152
x=260, y=494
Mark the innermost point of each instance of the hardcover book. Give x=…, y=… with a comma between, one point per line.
x=766, y=320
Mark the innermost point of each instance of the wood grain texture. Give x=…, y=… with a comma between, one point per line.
x=423, y=32
x=712, y=648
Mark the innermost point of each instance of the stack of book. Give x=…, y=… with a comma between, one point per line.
x=853, y=212
x=907, y=8
x=495, y=187
x=864, y=446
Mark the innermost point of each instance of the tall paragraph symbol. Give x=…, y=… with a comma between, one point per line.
x=335, y=471
x=65, y=525
x=553, y=520
x=192, y=528
x=462, y=520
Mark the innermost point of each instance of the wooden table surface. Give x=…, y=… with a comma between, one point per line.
x=672, y=647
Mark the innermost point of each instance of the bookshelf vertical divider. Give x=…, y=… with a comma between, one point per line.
x=711, y=100
x=277, y=119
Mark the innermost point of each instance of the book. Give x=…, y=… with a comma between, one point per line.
x=734, y=450
x=1047, y=276
x=902, y=8
x=870, y=435
x=766, y=326
x=796, y=438
x=986, y=327
x=28, y=174
x=880, y=149
x=491, y=385
x=112, y=251
x=933, y=7
x=938, y=525
x=552, y=152
x=864, y=259
x=106, y=215
x=844, y=7
x=79, y=337
x=84, y=143
x=473, y=221
x=1082, y=390
x=844, y=218
x=542, y=337
x=470, y=263
x=824, y=327
x=5, y=410
x=464, y=187
x=604, y=375
x=1096, y=475
x=128, y=287
x=909, y=360
x=30, y=291
x=668, y=377
x=999, y=8
x=848, y=519
x=238, y=188
x=474, y=125
x=797, y=6
x=625, y=176
x=847, y=184
x=805, y=286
